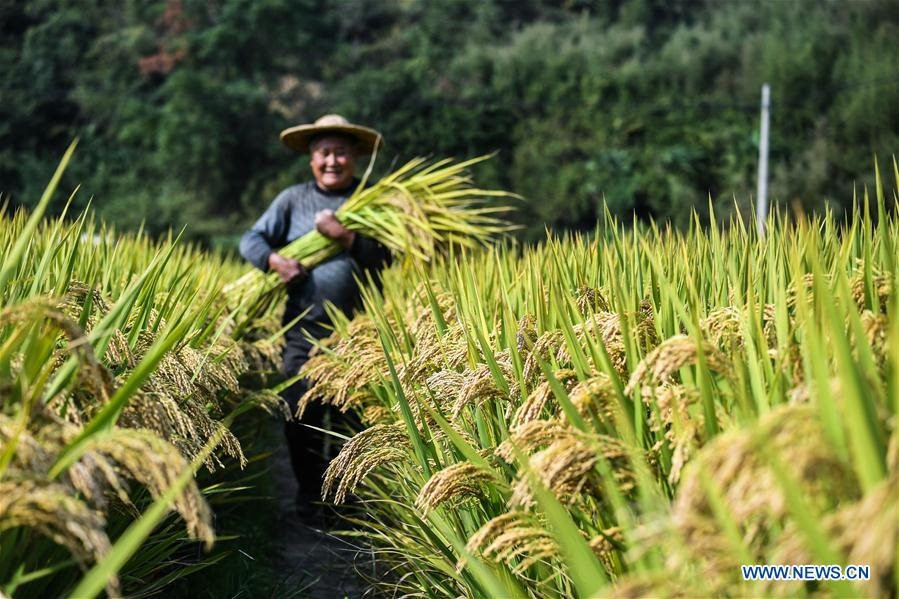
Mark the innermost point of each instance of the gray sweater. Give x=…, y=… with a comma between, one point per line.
x=291, y=215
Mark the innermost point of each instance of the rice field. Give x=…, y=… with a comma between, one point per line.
x=637, y=412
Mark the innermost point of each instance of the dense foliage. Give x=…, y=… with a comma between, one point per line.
x=650, y=104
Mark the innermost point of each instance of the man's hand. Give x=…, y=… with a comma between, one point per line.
x=290, y=271
x=328, y=225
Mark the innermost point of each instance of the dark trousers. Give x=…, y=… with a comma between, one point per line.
x=305, y=445
x=310, y=450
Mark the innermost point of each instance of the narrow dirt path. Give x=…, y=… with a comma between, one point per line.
x=314, y=561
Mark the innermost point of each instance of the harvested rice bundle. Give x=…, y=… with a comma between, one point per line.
x=414, y=211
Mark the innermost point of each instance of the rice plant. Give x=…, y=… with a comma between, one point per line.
x=633, y=413
x=118, y=380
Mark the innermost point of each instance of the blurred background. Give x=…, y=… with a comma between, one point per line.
x=650, y=105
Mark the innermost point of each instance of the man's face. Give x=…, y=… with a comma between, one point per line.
x=333, y=161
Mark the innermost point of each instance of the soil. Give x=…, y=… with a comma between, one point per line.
x=315, y=561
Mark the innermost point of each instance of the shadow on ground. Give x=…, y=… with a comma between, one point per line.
x=311, y=559
x=265, y=548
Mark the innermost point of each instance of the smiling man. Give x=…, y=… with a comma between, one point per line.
x=333, y=144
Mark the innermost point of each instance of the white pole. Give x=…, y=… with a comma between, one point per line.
x=761, y=209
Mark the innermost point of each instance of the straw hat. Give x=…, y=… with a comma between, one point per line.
x=297, y=137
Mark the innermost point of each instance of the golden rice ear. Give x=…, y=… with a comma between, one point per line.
x=31, y=454
x=373, y=447
x=680, y=427
x=445, y=385
x=51, y=510
x=455, y=347
x=590, y=300
x=327, y=381
x=375, y=414
x=548, y=345
x=225, y=354
x=532, y=435
x=517, y=538
x=478, y=387
x=606, y=326
x=670, y=356
x=458, y=427
x=428, y=345
x=454, y=484
x=270, y=402
x=605, y=543
x=723, y=328
x=209, y=378
x=801, y=289
x=882, y=285
x=75, y=297
x=739, y=471
x=596, y=396
x=526, y=336
x=876, y=328
x=542, y=397
x=533, y=406
x=567, y=468
x=188, y=422
x=155, y=464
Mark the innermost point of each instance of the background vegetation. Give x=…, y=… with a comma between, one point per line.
x=651, y=104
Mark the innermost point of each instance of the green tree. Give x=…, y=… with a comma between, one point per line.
x=648, y=105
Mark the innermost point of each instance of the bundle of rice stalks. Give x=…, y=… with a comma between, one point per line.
x=415, y=211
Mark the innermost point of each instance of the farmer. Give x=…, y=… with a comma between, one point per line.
x=333, y=144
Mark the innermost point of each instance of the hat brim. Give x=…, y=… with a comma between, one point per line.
x=297, y=138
